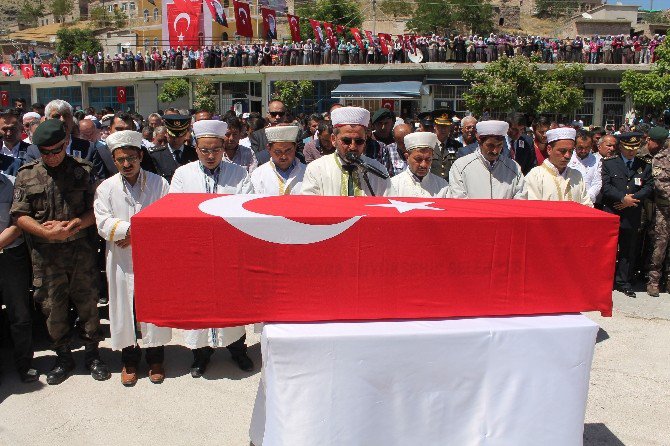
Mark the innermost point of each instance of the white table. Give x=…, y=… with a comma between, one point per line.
x=480, y=381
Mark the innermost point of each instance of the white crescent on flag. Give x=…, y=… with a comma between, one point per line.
x=218, y=7
x=184, y=16
x=5, y=70
x=243, y=19
x=293, y=21
x=122, y=93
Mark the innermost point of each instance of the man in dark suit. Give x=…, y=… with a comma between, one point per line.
x=178, y=150
x=276, y=115
x=519, y=145
x=627, y=180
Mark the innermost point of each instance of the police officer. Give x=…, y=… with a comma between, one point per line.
x=660, y=170
x=627, y=181
x=446, y=152
x=178, y=150
x=53, y=203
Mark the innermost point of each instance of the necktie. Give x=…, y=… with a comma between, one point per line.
x=350, y=178
x=512, y=151
x=629, y=163
x=177, y=156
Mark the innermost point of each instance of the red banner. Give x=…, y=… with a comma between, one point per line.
x=385, y=40
x=7, y=69
x=243, y=19
x=47, y=70
x=331, y=34
x=66, y=68
x=217, y=11
x=340, y=30
x=357, y=36
x=269, y=23
x=294, y=25
x=507, y=270
x=388, y=103
x=369, y=36
x=4, y=98
x=27, y=71
x=121, y=95
x=318, y=33
x=182, y=25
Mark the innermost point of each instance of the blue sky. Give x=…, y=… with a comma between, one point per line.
x=658, y=4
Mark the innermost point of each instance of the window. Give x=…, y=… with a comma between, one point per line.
x=155, y=14
x=132, y=6
x=146, y=44
x=110, y=8
x=156, y=42
x=146, y=15
x=450, y=97
x=224, y=36
x=69, y=94
x=124, y=6
x=100, y=97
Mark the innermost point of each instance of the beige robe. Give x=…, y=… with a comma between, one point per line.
x=406, y=184
x=544, y=182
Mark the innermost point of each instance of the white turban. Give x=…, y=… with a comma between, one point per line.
x=211, y=128
x=420, y=139
x=492, y=128
x=561, y=133
x=124, y=138
x=282, y=133
x=350, y=116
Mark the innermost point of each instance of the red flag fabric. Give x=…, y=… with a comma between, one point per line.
x=121, y=95
x=47, y=70
x=294, y=25
x=385, y=40
x=331, y=34
x=340, y=30
x=243, y=19
x=218, y=13
x=4, y=98
x=66, y=68
x=357, y=36
x=485, y=272
x=7, y=69
x=182, y=25
x=388, y=103
x=316, y=27
x=370, y=37
x=27, y=70
x=269, y=23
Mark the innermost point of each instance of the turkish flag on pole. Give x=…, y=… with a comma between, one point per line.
x=340, y=30
x=27, y=70
x=370, y=37
x=183, y=24
x=357, y=36
x=121, y=95
x=4, y=98
x=66, y=68
x=384, y=41
x=269, y=23
x=47, y=70
x=331, y=34
x=294, y=25
x=316, y=26
x=7, y=69
x=218, y=13
x=388, y=103
x=243, y=19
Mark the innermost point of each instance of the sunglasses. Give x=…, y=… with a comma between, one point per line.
x=55, y=151
x=277, y=113
x=347, y=141
x=210, y=151
x=130, y=159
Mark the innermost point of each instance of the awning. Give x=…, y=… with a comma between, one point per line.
x=386, y=90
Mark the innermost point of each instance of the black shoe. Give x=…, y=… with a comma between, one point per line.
x=60, y=371
x=199, y=366
x=103, y=300
x=28, y=375
x=244, y=362
x=628, y=292
x=99, y=370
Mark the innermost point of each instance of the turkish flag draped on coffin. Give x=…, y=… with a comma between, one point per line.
x=183, y=22
x=248, y=258
x=243, y=19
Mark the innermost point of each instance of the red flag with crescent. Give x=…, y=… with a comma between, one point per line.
x=357, y=36
x=218, y=13
x=47, y=70
x=339, y=29
x=66, y=68
x=4, y=98
x=183, y=22
x=318, y=33
x=121, y=95
x=7, y=69
x=384, y=41
x=27, y=70
x=243, y=19
x=331, y=34
x=294, y=25
x=370, y=37
x=269, y=23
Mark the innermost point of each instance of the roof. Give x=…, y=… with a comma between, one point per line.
x=44, y=33
x=390, y=90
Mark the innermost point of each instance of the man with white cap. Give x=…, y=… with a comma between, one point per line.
x=210, y=174
x=30, y=122
x=553, y=180
x=417, y=180
x=485, y=173
x=117, y=199
x=283, y=175
x=341, y=173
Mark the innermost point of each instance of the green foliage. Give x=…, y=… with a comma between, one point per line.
x=173, y=89
x=656, y=17
x=442, y=16
x=650, y=89
x=61, y=9
x=75, y=40
x=204, y=95
x=554, y=9
x=338, y=12
x=104, y=19
x=29, y=13
x=119, y=18
x=516, y=84
x=291, y=93
x=397, y=8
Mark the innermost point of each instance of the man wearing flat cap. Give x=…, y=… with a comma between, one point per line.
x=660, y=227
x=381, y=146
x=447, y=149
x=211, y=175
x=417, y=180
x=485, y=173
x=117, y=199
x=53, y=203
x=627, y=180
x=426, y=123
x=340, y=175
x=553, y=180
x=178, y=150
x=284, y=173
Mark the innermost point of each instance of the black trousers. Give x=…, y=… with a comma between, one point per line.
x=132, y=355
x=14, y=286
x=237, y=348
x=627, y=256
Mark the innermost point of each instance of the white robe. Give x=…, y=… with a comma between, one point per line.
x=233, y=179
x=323, y=176
x=265, y=180
x=407, y=185
x=471, y=176
x=590, y=168
x=115, y=203
x=545, y=183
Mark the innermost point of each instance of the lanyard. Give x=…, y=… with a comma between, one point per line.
x=214, y=176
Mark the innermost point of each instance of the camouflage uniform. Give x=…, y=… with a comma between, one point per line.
x=64, y=272
x=661, y=224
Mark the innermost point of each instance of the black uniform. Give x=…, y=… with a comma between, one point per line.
x=166, y=163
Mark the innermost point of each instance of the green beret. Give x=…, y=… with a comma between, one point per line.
x=49, y=133
x=381, y=114
x=658, y=133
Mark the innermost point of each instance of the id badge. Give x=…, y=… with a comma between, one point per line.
x=76, y=153
x=638, y=181
x=521, y=144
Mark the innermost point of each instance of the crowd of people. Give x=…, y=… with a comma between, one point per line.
x=71, y=182
x=456, y=48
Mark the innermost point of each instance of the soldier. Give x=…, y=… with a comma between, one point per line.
x=178, y=151
x=53, y=203
x=447, y=149
x=627, y=181
x=660, y=170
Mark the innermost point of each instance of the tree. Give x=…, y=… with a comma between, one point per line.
x=562, y=89
x=100, y=17
x=61, y=9
x=652, y=89
x=554, y=9
x=397, y=8
x=441, y=16
x=29, y=13
x=119, y=18
x=173, y=89
x=291, y=93
x=75, y=41
x=338, y=12
x=204, y=95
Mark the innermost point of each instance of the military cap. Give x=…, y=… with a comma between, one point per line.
x=48, y=133
x=381, y=114
x=443, y=117
x=426, y=119
x=177, y=125
x=658, y=133
x=631, y=140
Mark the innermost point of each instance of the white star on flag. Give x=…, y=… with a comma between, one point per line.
x=404, y=206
